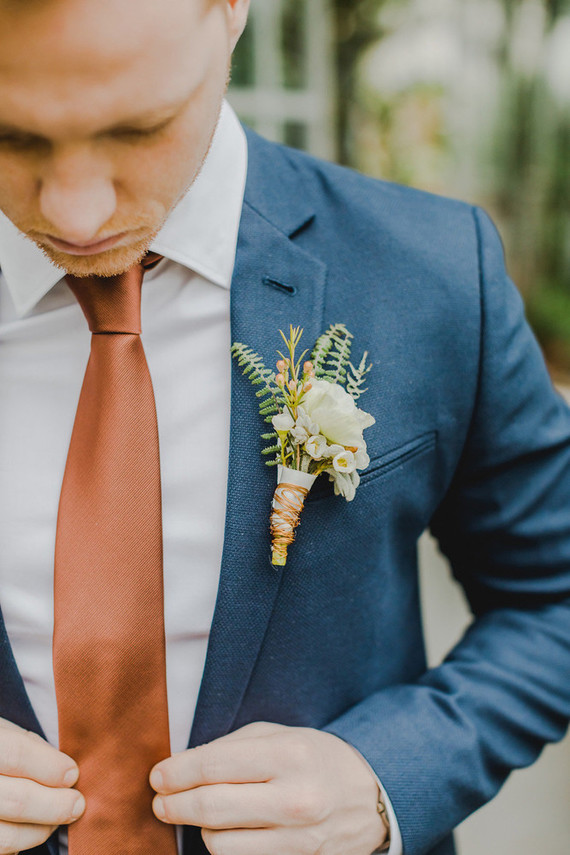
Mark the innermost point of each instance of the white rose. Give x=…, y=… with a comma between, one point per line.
x=344, y=462
x=316, y=446
x=335, y=412
x=283, y=422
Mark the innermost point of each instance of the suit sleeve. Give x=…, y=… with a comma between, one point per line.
x=443, y=746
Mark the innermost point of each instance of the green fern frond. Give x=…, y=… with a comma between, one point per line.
x=271, y=449
x=265, y=391
x=254, y=369
x=356, y=377
x=331, y=354
x=321, y=350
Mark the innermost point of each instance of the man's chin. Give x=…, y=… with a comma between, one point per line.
x=112, y=262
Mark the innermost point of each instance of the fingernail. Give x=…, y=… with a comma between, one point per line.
x=158, y=806
x=156, y=780
x=70, y=776
x=78, y=807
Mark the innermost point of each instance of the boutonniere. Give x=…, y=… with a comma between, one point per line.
x=317, y=427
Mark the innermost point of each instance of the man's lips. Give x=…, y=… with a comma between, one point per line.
x=85, y=248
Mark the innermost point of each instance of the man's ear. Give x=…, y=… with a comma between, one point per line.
x=237, y=12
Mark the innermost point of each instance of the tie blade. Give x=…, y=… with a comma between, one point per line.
x=109, y=639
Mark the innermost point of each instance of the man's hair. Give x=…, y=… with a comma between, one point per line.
x=25, y=5
x=22, y=5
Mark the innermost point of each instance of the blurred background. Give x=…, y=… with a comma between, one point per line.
x=465, y=98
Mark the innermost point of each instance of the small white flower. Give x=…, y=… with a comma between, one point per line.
x=299, y=434
x=361, y=459
x=304, y=426
x=333, y=450
x=344, y=485
x=283, y=422
x=344, y=462
x=316, y=446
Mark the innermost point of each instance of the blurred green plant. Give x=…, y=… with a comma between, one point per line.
x=509, y=151
x=356, y=28
x=522, y=165
x=529, y=154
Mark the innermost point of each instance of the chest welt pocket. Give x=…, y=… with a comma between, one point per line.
x=380, y=464
x=384, y=463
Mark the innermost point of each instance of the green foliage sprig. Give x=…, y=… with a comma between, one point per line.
x=331, y=354
x=356, y=376
x=254, y=368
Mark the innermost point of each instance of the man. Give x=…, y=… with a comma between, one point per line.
x=306, y=690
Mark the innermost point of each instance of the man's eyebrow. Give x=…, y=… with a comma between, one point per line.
x=141, y=121
x=150, y=118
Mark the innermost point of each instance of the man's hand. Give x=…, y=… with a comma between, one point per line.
x=270, y=788
x=35, y=789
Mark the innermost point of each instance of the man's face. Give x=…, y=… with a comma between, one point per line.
x=107, y=110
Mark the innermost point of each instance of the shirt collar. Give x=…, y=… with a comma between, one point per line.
x=199, y=233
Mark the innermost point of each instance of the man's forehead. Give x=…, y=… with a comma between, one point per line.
x=94, y=30
x=98, y=60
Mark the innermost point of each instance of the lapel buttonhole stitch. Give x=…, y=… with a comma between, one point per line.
x=280, y=286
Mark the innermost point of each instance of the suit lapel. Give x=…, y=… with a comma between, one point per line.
x=275, y=284
x=14, y=701
x=15, y=706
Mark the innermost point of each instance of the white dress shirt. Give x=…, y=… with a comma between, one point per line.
x=44, y=346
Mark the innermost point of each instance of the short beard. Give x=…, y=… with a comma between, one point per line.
x=111, y=262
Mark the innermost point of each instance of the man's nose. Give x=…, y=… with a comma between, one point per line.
x=77, y=197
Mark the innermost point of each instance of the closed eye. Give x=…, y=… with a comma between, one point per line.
x=127, y=134
x=23, y=142
x=31, y=142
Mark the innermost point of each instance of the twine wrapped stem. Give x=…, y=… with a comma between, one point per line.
x=288, y=502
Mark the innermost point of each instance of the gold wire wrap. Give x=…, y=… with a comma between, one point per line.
x=289, y=501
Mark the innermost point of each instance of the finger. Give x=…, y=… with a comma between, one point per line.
x=255, y=729
x=224, y=761
x=4, y=722
x=239, y=841
x=25, y=801
x=26, y=755
x=17, y=838
x=222, y=806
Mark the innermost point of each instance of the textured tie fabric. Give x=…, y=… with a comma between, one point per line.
x=109, y=644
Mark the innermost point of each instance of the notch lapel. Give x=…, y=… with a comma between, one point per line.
x=15, y=704
x=275, y=284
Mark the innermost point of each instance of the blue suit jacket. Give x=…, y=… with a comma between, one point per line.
x=470, y=439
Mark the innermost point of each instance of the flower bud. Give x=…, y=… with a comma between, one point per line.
x=292, y=385
x=308, y=367
x=281, y=365
x=307, y=386
x=283, y=422
x=279, y=379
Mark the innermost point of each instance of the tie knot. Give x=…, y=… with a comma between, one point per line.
x=112, y=304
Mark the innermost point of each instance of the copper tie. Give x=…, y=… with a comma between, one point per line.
x=109, y=645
